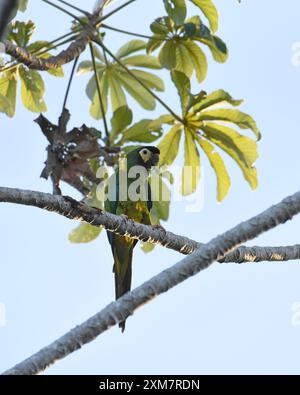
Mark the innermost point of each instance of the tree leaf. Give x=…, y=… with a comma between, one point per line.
x=130, y=47
x=217, y=97
x=142, y=131
x=169, y=146
x=183, y=86
x=244, y=121
x=8, y=89
x=167, y=55
x=121, y=119
x=23, y=5
x=176, y=10
x=231, y=147
x=198, y=59
x=147, y=61
x=152, y=81
x=117, y=95
x=84, y=233
x=209, y=10
x=32, y=90
x=137, y=91
x=217, y=163
x=191, y=170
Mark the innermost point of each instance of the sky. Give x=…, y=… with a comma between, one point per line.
x=230, y=319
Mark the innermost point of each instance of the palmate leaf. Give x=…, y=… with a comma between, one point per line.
x=118, y=83
x=205, y=128
x=209, y=10
x=84, y=233
x=217, y=163
x=32, y=90
x=8, y=89
x=176, y=10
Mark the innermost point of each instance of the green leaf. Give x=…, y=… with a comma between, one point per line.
x=244, y=121
x=217, y=97
x=150, y=80
x=155, y=42
x=183, y=86
x=183, y=59
x=21, y=32
x=217, y=47
x=58, y=72
x=85, y=66
x=162, y=26
x=167, y=55
x=117, y=95
x=241, y=149
x=137, y=91
x=147, y=61
x=130, y=47
x=217, y=163
x=209, y=10
x=163, y=119
x=121, y=119
x=5, y=105
x=198, y=59
x=191, y=170
x=244, y=146
x=32, y=90
x=92, y=92
x=147, y=247
x=142, y=131
x=84, y=233
x=23, y=5
x=176, y=10
x=8, y=89
x=169, y=146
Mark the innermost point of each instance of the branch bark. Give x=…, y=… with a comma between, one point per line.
x=73, y=209
x=120, y=310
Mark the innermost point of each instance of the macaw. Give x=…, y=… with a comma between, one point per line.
x=129, y=194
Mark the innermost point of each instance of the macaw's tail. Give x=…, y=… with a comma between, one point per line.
x=122, y=249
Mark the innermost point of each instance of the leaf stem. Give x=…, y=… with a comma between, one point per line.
x=70, y=83
x=75, y=8
x=63, y=10
x=125, y=31
x=115, y=10
x=177, y=117
x=99, y=91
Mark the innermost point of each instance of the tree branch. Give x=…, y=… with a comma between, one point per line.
x=120, y=310
x=72, y=209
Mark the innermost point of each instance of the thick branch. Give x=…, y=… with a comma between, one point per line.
x=76, y=210
x=120, y=310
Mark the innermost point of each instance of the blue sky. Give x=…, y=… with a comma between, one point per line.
x=228, y=319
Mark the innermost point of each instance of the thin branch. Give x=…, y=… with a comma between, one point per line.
x=116, y=10
x=70, y=83
x=139, y=81
x=99, y=92
x=124, y=307
x=72, y=209
x=63, y=10
x=75, y=8
x=125, y=31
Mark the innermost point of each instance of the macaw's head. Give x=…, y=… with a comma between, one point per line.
x=147, y=157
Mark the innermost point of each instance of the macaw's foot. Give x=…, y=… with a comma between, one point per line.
x=160, y=228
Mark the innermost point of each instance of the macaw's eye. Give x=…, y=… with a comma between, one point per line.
x=145, y=152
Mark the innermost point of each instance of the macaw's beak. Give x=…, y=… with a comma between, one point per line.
x=154, y=159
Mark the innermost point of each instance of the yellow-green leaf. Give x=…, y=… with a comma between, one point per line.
x=169, y=145
x=32, y=90
x=191, y=170
x=209, y=10
x=217, y=163
x=84, y=233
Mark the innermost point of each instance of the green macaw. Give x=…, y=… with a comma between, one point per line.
x=129, y=194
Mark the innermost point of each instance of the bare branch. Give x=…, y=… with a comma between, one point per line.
x=124, y=307
x=76, y=210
